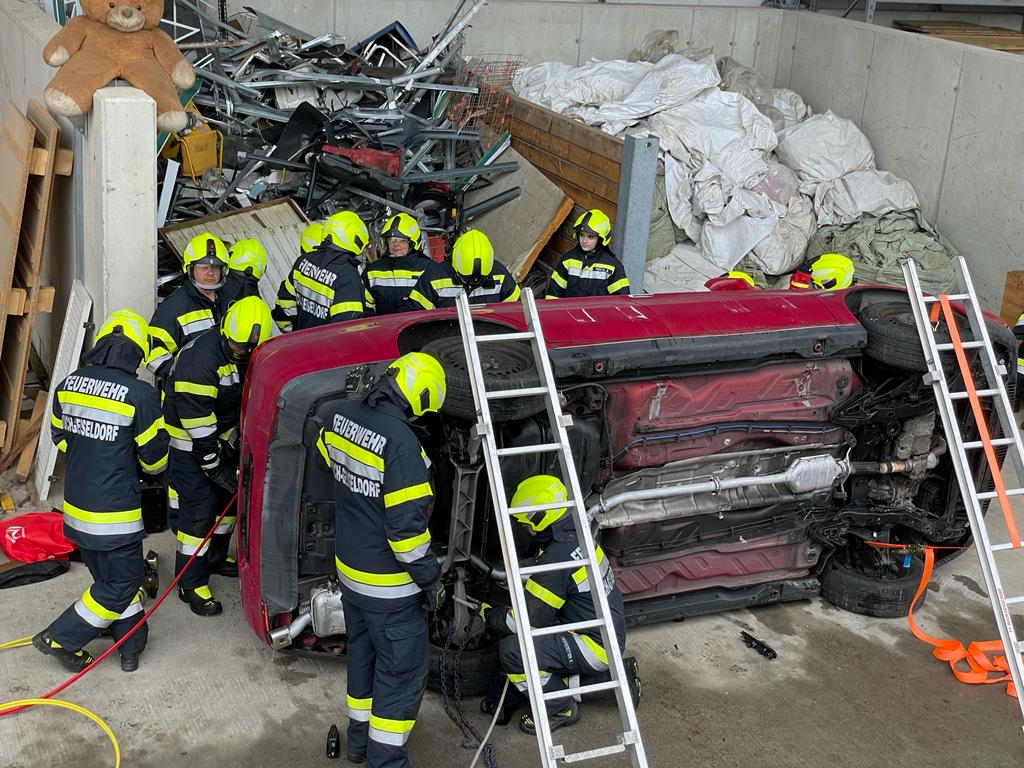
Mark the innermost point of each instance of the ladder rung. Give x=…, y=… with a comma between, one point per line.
x=992, y=494
x=573, y=627
x=1015, y=600
x=590, y=754
x=979, y=393
x=1002, y=547
x=951, y=297
x=529, y=509
x=995, y=443
x=504, y=394
x=1020, y=647
x=517, y=336
x=581, y=690
x=963, y=345
x=519, y=450
x=564, y=565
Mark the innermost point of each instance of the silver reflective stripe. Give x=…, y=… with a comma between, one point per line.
x=449, y=293
x=413, y=554
x=103, y=529
x=198, y=325
x=190, y=549
x=309, y=293
x=492, y=291
x=230, y=436
x=393, y=282
x=154, y=364
x=227, y=525
x=354, y=465
x=134, y=608
x=510, y=620
x=227, y=381
x=197, y=433
x=89, y=617
x=584, y=585
x=592, y=658
x=589, y=274
x=172, y=501
x=387, y=737
x=290, y=311
x=180, y=444
x=96, y=414
x=384, y=593
x=359, y=715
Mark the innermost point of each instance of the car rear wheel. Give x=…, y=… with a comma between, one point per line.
x=506, y=365
x=882, y=595
x=892, y=335
x=474, y=667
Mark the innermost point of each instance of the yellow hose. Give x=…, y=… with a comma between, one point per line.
x=21, y=642
x=73, y=708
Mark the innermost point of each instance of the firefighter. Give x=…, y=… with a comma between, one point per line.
x=201, y=407
x=555, y=597
x=589, y=269
x=731, y=281
x=247, y=261
x=473, y=268
x=109, y=426
x=284, y=310
x=324, y=286
x=392, y=277
x=388, y=573
x=193, y=307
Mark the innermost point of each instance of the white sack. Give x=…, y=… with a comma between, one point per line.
x=725, y=245
x=791, y=105
x=845, y=200
x=683, y=269
x=783, y=250
x=679, y=191
x=823, y=148
x=779, y=183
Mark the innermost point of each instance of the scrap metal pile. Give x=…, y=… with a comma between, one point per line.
x=379, y=126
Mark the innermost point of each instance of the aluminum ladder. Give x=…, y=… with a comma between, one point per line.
x=927, y=311
x=629, y=740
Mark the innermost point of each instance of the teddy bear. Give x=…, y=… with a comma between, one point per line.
x=117, y=38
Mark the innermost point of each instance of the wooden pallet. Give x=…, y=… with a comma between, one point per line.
x=996, y=38
x=37, y=158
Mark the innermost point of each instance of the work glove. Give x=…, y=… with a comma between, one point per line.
x=433, y=597
x=484, y=612
x=224, y=476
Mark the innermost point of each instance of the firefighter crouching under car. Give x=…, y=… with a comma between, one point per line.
x=389, y=575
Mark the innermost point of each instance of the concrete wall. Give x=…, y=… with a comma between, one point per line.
x=949, y=117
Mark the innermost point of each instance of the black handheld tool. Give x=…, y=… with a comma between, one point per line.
x=761, y=647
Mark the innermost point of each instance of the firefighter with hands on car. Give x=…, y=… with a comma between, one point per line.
x=201, y=407
x=589, y=269
x=389, y=575
x=109, y=426
x=472, y=269
x=392, y=277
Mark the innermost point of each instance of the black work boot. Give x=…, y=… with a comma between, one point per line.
x=201, y=601
x=75, y=661
x=129, y=662
x=569, y=716
x=226, y=567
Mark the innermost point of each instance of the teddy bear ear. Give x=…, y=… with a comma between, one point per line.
x=153, y=10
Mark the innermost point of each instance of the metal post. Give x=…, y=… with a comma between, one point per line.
x=869, y=11
x=636, y=198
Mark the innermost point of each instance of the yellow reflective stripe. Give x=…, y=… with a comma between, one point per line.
x=58, y=423
x=227, y=370
x=356, y=452
x=156, y=466
x=210, y=420
x=355, y=703
x=90, y=602
x=444, y=282
x=313, y=285
x=322, y=447
x=150, y=433
x=191, y=317
x=346, y=306
x=375, y=579
x=93, y=401
x=403, y=495
x=573, y=263
x=514, y=296
x=559, y=280
x=618, y=285
x=177, y=432
x=163, y=337
x=128, y=516
x=286, y=303
x=205, y=390
x=580, y=575
x=391, y=726
x=407, y=545
x=595, y=646
x=544, y=594
x=420, y=299
x=514, y=677
x=62, y=446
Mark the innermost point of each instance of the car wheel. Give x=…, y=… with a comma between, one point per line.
x=506, y=365
x=847, y=587
x=475, y=667
x=892, y=336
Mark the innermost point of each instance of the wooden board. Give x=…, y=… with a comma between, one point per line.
x=28, y=430
x=1013, y=297
x=996, y=38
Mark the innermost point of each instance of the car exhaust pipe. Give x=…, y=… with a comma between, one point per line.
x=805, y=475
x=284, y=636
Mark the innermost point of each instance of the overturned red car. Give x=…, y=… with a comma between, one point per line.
x=721, y=400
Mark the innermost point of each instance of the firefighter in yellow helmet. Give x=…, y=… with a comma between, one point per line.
x=389, y=574
x=247, y=261
x=589, y=269
x=392, y=277
x=324, y=285
x=109, y=426
x=193, y=307
x=556, y=597
x=473, y=270
x=832, y=272
x=201, y=409
x=735, y=280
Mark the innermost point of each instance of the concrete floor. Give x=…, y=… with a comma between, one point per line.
x=844, y=691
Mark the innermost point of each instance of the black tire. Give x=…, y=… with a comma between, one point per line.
x=506, y=365
x=853, y=591
x=476, y=669
x=892, y=336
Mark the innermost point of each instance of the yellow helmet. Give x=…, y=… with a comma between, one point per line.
x=403, y=225
x=421, y=380
x=248, y=256
x=247, y=324
x=595, y=222
x=739, y=275
x=312, y=236
x=206, y=249
x=832, y=272
x=539, y=489
x=473, y=256
x=347, y=231
x=131, y=325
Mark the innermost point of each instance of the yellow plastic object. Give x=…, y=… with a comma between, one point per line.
x=198, y=149
x=21, y=642
x=74, y=708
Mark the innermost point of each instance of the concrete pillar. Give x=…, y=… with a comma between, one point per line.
x=118, y=205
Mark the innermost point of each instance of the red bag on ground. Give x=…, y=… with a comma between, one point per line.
x=35, y=536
